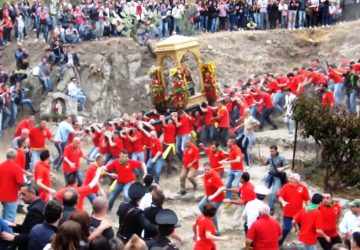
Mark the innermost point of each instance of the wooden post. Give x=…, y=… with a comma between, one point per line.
x=295, y=143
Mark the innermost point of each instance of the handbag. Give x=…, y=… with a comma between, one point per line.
x=281, y=175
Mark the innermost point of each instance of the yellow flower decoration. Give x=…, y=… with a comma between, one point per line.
x=173, y=71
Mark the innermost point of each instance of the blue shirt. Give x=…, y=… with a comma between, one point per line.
x=40, y=235
x=4, y=228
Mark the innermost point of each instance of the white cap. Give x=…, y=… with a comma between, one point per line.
x=262, y=190
x=295, y=176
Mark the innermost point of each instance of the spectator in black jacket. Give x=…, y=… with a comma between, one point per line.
x=273, y=12
x=132, y=219
x=29, y=193
x=41, y=234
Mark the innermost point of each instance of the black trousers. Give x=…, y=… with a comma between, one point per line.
x=328, y=245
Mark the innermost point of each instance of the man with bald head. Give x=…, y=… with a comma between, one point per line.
x=72, y=156
x=11, y=178
x=100, y=211
x=24, y=135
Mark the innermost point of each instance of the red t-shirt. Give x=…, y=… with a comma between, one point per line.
x=329, y=218
x=273, y=86
x=185, y=127
x=247, y=192
x=214, y=158
x=295, y=195
x=103, y=145
x=23, y=124
x=204, y=224
x=146, y=140
x=223, y=114
x=138, y=144
x=38, y=136
x=97, y=139
x=212, y=182
x=235, y=152
x=265, y=233
x=191, y=153
x=327, y=98
x=267, y=100
x=249, y=98
x=336, y=77
x=208, y=116
x=128, y=146
x=74, y=155
x=356, y=67
x=115, y=150
x=90, y=174
x=169, y=133
x=309, y=222
x=82, y=191
x=155, y=146
x=125, y=172
x=11, y=178
x=294, y=84
x=42, y=172
x=20, y=158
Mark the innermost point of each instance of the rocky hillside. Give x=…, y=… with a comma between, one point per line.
x=114, y=72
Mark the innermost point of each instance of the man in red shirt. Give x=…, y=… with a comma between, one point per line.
x=292, y=197
x=265, y=232
x=223, y=119
x=236, y=167
x=337, y=75
x=267, y=110
x=214, y=191
x=90, y=174
x=156, y=162
x=169, y=132
x=26, y=123
x=38, y=136
x=330, y=212
x=96, y=134
x=183, y=126
x=136, y=139
x=327, y=96
x=82, y=191
x=246, y=191
x=215, y=156
x=72, y=155
x=42, y=176
x=124, y=169
x=11, y=178
x=209, y=132
x=190, y=165
x=310, y=224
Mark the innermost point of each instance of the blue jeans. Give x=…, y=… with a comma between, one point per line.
x=138, y=156
x=262, y=18
x=1, y=118
x=213, y=25
x=284, y=21
x=351, y=101
x=338, y=91
x=35, y=157
x=60, y=146
x=208, y=134
x=205, y=24
x=81, y=99
x=93, y=152
x=232, y=19
x=155, y=168
x=118, y=189
x=6, y=117
x=310, y=247
x=100, y=26
x=201, y=205
x=72, y=39
x=9, y=211
x=46, y=81
x=79, y=177
x=91, y=198
x=302, y=18
x=232, y=181
x=180, y=145
x=287, y=225
x=164, y=28
x=278, y=101
x=275, y=183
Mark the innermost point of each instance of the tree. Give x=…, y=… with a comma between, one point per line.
x=338, y=134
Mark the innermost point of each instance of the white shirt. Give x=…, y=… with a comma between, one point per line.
x=252, y=211
x=145, y=201
x=289, y=103
x=350, y=223
x=73, y=90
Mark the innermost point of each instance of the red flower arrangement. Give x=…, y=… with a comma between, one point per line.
x=180, y=94
x=210, y=87
x=157, y=87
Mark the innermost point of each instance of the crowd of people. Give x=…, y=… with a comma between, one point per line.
x=131, y=152
x=97, y=19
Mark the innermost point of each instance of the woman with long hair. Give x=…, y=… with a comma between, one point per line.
x=68, y=237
